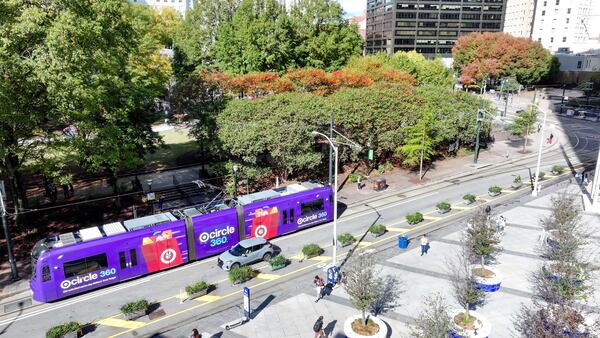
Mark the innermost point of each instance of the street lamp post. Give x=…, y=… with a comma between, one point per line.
x=235, y=169
x=14, y=273
x=539, y=159
x=335, y=189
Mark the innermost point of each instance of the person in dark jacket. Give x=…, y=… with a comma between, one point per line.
x=318, y=328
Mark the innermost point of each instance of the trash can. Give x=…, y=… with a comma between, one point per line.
x=379, y=184
x=403, y=242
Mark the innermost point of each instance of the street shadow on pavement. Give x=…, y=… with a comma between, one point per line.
x=262, y=306
x=330, y=327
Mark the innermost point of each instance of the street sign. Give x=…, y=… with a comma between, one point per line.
x=247, y=302
x=371, y=156
x=151, y=196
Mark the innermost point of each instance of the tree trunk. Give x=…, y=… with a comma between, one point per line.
x=482, y=261
x=113, y=181
x=364, y=320
x=525, y=141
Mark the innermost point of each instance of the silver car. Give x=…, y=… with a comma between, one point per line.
x=246, y=252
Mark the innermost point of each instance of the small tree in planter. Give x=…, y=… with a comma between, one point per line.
x=241, y=275
x=135, y=310
x=443, y=207
x=517, y=182
x=346, y=239
x=434, y=321
x=482, y=236
x=541, y=175
x=551, y=320
x=377, y=229
x=278, y=262
x=311, y=250
x=67, y=330
x=365, y=288
x=469, y=198
x=494, y=190
x=464, y=289
x=557, y=169
x=197, y=289
x=414, y=218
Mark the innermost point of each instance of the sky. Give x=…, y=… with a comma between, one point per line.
x=353, y=7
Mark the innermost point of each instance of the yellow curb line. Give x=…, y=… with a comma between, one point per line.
x=125, y=324
x=267, y=276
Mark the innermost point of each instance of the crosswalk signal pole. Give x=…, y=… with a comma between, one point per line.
x=11, y=258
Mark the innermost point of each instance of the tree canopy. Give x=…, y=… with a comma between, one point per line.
x=92, y=67
x=494, y=55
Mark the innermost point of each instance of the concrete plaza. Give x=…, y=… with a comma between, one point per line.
x=289, y=310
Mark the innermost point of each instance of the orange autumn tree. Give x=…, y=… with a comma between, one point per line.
x=496, y=55
x=255, y=85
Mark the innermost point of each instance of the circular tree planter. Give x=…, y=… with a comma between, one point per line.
x=487, y=279
x=349, y=332
x=481, y=325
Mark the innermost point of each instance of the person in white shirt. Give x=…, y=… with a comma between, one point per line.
x=424, y=244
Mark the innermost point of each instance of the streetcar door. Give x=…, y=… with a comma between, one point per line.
x=129, y=262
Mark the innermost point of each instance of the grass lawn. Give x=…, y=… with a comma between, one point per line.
x=180, y=148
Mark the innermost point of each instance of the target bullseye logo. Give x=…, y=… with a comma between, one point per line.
x=260, y=231
x=168, y=256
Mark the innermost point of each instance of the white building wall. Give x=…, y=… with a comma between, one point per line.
x=518, y=19
x=180, y=6
x=565, y=24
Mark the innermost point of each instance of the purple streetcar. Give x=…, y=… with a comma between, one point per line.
x=92, y=258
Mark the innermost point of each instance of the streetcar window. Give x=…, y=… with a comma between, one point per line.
x=285, y=217
x=46, y=274
x=85, y=265
x=291, y=215
x=133, y=255
x=311, y=207
x=122, y=260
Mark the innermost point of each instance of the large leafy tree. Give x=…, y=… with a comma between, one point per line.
x=195, y=37
x=480, y=55
x=87, y=64
x=325, y=38
x=258, y=38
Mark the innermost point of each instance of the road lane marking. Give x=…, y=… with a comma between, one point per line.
x=365, y=244
x=432, y=218
x=400, y=230
x=208, y=298
x=124, y=324
x=319, y=258
x=267, y=276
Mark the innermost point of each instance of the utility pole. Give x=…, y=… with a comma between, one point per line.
x=562, y=99
x=422, y=151
x=477, y=131
x=330, y=146
x=11, y=258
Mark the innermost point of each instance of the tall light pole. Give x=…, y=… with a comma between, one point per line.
x=11, y=258
x=539, y=159
x=335, y=189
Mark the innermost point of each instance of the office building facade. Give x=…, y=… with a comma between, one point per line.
x=429, y=27
x=180, y=6
x=518, y=19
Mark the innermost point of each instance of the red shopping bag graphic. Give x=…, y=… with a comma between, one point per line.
x=265, y=223
x=161, y=251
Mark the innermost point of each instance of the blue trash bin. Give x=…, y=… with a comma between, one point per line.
x=403, y=242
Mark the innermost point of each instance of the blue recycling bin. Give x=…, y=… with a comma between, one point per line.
x=403, y=242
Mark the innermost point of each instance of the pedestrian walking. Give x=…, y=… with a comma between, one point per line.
x=424, y=244
x=53, y=192
x=318, y=328
x=65, y=189
x=195, y=334
x=319, y=285
x=358, y=183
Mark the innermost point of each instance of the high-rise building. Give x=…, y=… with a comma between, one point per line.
x=566, y=25
x=428, y=26
x=180, y=6
x=518, y=19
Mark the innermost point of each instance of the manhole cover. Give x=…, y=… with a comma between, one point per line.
x=17, y=305
x=156, y=314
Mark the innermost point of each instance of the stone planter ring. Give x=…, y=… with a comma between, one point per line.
x=484, y=327
x=491, y=284
x=382, y=333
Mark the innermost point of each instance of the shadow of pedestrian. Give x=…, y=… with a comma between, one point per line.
x=329, y=328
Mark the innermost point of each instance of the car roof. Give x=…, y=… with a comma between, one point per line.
x=252, y=241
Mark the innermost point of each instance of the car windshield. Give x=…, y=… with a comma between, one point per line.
x=237, y=250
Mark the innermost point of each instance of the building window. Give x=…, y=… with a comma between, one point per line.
x=552, y=39
x=567, y=20
x=557, y=2
x=564, y=39
x=543, y=13
x=46, y=274
x=568, y=11
x=579, y=64
x=545, y=3
x=539, y=39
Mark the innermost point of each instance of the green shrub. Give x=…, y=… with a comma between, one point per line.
x=278, y=260
x=517, y=180
x=353, y=178
x=542, y=175
x=381, y=168
x=469, y=197
x=241, y=274
x=59, y=330
x=131, y=307
x=414, y=218
x=443, y=206
x=196, y=287
x=311, y=249
x=389, y=166
x=559, y=169
x=377, y=228
x=495, y=189
x=346, y=238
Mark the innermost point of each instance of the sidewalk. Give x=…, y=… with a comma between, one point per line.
x=289, y=310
